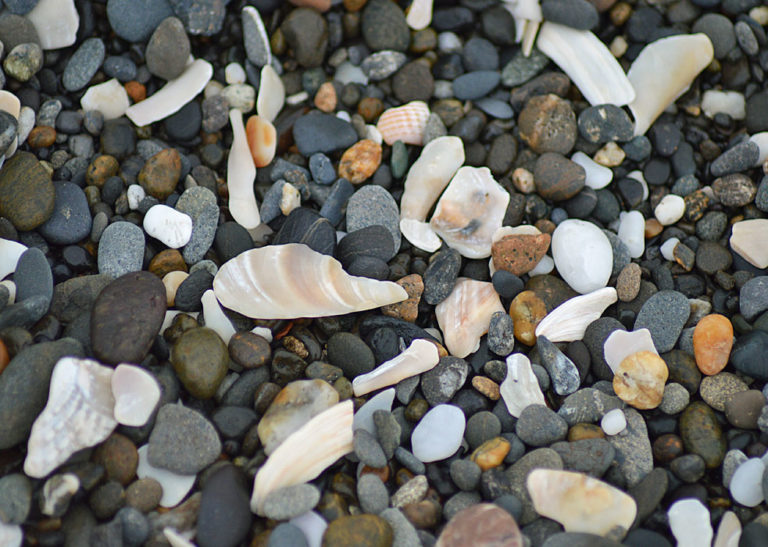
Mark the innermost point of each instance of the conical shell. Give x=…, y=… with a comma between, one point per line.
x=569, y=320
x=404, y=123
x=465, y=315
x=78, y=415
x=420, y=356
x=305, y=453
x=290, y=281
x=520, y=388
x=241, y=171
x=663, y=71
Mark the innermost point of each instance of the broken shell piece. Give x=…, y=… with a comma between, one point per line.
x=175, y=487
x=420, y=356
x=570, y=320
x=663, y=71
x=465, y=315
x=136, y=394
x=78, y=415
x=581, y=503
x=10, y=103
x=587, y=62
x=621, y=344
x=290, y=199
x=241, y=172
x=109, y=98
x=420, y=234
x=520, y=388
x=749, y=241
x=173, y=95
x=598, y=176
x=527, y=14
x=761, y=140
x=290, y=281
x=729, y=531
x=271, y=96
x=419, y=14
x=57, y=493
x=215, y=318
x=178, y=539
x=727, y=102
x=305, y=453
x=364, y=415
x=262, y=140
x=56, y=23
x=10, y=252
x=404, y=123
x=470, y=211
x=690, y=523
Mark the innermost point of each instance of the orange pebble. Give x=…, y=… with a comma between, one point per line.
x=491, y=453
x=136, y=91
x=360, y=162
x=712, y=343
x=262, y=140
x=4, y=357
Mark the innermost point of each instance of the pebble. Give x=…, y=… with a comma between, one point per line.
x=746, y=354
x=746, y=484
x=71, y=219
x=168, y=49
x=383, y=26
x=143, y=494
x=199, y=204
x=224, y=518
x=161, y=173
x=372, y=494
x=639, y=380
x=438, y=434
x=359, y=162
x=291, y=501
x=558, y=178
x=441, y=383
x=83, y=64
x=689, y=521
x=519, y=254
x=15, y=498
x=701, y=433
x=182, y=441
x=306, y=32
x=287, y=535
x=373, y=205
x=538, y=425
x=670, y=209
x=368, y=449
x=613, y=422
x=318, y=132
x=522, y=68
x=578, y=14
x=743, y=409
x=23, y=62
x=605, y=123
x=739, y=158
x=572, y=241
x=383, y=64
x=753, y=297
x=33, y=276
x=135, y=21
x=475, y=85
x=27, y=195
x=200, y=360
x=527, y=310
x=358, y=530
x=712, y=343
x=350, y=354
x=734, y=190
x=633, y=449
x=167, y=225
x=664, y=314
x=481, y=524
x=717, y=389
x=548, y=124
x=562, y=371
x=675, y=399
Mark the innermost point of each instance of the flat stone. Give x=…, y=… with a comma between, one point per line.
x=27, y=195
x=358, y=531
x=182, y=441
x=121, y=249
x=318, y=132
x=664, y=314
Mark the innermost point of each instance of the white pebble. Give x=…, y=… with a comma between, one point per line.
x=598, y=176
x=234, y=73
x=212, y=89
x=632, y=232
x=746, y=484
x=264, y=332
x=443, y=89
x=175, y=487
x=347, y=73
x=313, y=526
x=343, y=115
x=583, y=255
x=173, y=228
x=668, y=248
x=109, y=98
x=761, y=140
x=135, y=194
x=670, y=209
x=372, y=133
x=290, y=199
x=297, y=98
x=614, y=422
x=11, y=534
x=545, y=266
x=448, y=42
x=726, y=102
x=690, y=523
x=438, y=434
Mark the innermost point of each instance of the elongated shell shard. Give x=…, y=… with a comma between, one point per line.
x=271, y=94
x=241, y=172
x=581, y=503
x=466, y=314
x=663, y=71
x=520, y=388
x=419, y=14
x=749, y=239
x=173, y=95
x=569, y=320
x=621, y=344
x=420, y=234
x=136, y=394
x=78, y=415
x=305, y=453
x=729, y=531
x=290, y=281
x=420, y=356
x=587, y=62
x=404, y=123
x=470, y=211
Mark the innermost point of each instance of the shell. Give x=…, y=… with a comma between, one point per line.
x=57, y=492
x=749, y=239
x=271, y=96
x=587, y=62
x=420, y=234
x=569, y=320
x=364, y=415
x=419, y=14
x=262, y=140
x=581, y=503
x=78, y=415
x=528, y=17
x=241, y=172
x=10, y=252
x=621, y=344
x=136, y=394
x=465, y=315
x=56, y=23
x=690, y=523
x=305, y=453
x=761, y=140
x=109, y=98
x=292, y=280
x=470, y=211
x=729, y=531
x=215, y=318
x=520, y=388
x=178, y=539
x=404, y=123
x=173, y=95
x=420, y=356
x=175, y=486
x=663, y=71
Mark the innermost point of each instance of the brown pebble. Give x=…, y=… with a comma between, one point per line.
x=249, y=350
x=736, y=190
x=712, y=343
x=358, y=531
x=136, y=91
x=325, y=98
x=696, y=204
x=486, y=387
x=408, y=309
x=667, y=447
x=100, y=169
x=558, y=178
x=482, y=524
x=161, y=173
x=582, y=431
x=119, y=457
x=354, y=5
x=360, y=161
x=491, y=453
x=548, y=124
x=264, y=395
x=743, y=409
x=519, y=254
x=527, y=310
x=370, y=108
x=4, y=357
x=653, y=228
x=42, y=136
x=522, y=180
x=319, y=5
x=144, y=494
x=684, y=256
x=424, y=514
x=381, y=472
x=166, y=261
x=620, y=13
x=628, y=282
x=639, y=380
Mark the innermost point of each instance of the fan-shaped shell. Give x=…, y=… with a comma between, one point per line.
x=404, y=123
x=292, y=280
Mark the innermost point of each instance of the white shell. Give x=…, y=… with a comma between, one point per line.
x=466, y=314
x=470, y=211
x=175, y=487
x=587, y=62
x=136, y=394
x=761, y=140
x=109, y=98
x=404, y=123
x=290, y=281
x=241, y=172
x=10, y=252
x=598, y=176
x=690, y=523
x=305, y=453
x=420, y=356
x=176, y=538
x=729, y=531
x=569, y=320
x=173, y=95
x=663, y=71
x=271, y=96
x=621, y=344
x=420, y=14
x=78, y=415
x=749, y=239
x=420, y=234
x=56, y=23
x=520, y=388
x=215, y=318
x=714, y=101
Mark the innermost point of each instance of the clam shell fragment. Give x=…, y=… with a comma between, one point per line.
x=749, y=239
x=420, y=356
x=290, y=281
x=271, y=96
x=78, y=415
x=404, y=123
x=305, y=453
x=10, y=252
x=136, y=394
x=569, y=320
x=241, y=171
x=520, y=388
x=621, y=344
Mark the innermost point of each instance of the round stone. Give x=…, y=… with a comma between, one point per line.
x=83, y=64
x=27, y=195
x=639, y=380
x=538, y=425
x=583, y=255
x=71, y=219
x=558, y=178
x=161, y=173
x=182, y=441
x=358, y=531
x=350, y=354
x=702, y=434
x=664, y=314
x=712, y=343
x=201, y=360
x=438, y=434
x=548, y=124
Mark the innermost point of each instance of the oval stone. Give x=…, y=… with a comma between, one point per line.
x=583, y=255
x=200, y=359
x=701, y=433
x=712, y=343
x=358, y=531
x=27, y=195
x=71, y=219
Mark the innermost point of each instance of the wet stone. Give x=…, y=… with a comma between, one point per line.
x=183, y=441
x=664, y=314
x=548, y=124
x=27, y=195
x=702, y=433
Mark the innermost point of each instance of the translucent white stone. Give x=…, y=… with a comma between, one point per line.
x=761, y=140
x=264, y=332
x=545, y=266
x=109, y=98
x=11, y=286
x=313, y=526
x=667, y=248
x=448, y=42
x=620, y=344
x=234, y=73
x=670, y=209
x=169, y=226
x=11, y=535
x=746, y=483
x=364, y=416
x=729, y=531
x=136, y=394
x=614, y=422
x=56, y=23
x=438, y=434
x=419, y=14
x=215, y=318
x=10, y=252
x=135, y=194
x=520, y=388
x=583, y=255
x=347, y=73
x=632, y=232
x=726, y=102
x=598, y=176
x=690, y=523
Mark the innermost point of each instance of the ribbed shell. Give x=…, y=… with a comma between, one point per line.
x=404, y=123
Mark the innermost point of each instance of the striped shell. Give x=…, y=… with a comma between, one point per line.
x=404, y=123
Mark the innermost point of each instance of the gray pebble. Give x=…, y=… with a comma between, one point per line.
x=741, y=157
x=372, y=494
x=33, y=276
x=562, y=371
x=387, y=431
x=538, y=425
x=753, y=297
x=675, y=399
x=182, y=441
x=465, y=474
x=368, y=449
x=372, y=205
x=383, y=64
x=587, y=405
x=591, y=456
x=441, y=383
x=291, y=501
x=664, y=314
x=83, y=64
x=501, y=339
x=409, y=461
x=287, y=535
x=15, y=498
x=405, y=534
x=121, y=249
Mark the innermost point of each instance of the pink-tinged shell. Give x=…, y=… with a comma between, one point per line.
x=404, y=123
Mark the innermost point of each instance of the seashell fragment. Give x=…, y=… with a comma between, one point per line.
x=109, y=98
x=178, y=539
x=292, y=280
x=466, y=314
x=528, y=17
x=78, y=415
x=621, y=344
x=728, y=102
x=271, y=96
x=173, y=95
x=520, y=388
x=470, y=211
x=241, y=172
x=420, y=234
x=581, y=503
x=598, y=176
x=305, y=453
x=761, y=140
x=136, y=394
x=364, y=415
x=56, y=23
x=569, y=320
x=729, y=531
x=215, y=318
x=749, y=239
x=587, y=62
x=404, y=123
x=10, y=252
x=419, y=14
x=420, y=356
x=175, y=487
x=663, y=71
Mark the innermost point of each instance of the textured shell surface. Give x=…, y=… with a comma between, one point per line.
x=292, y=280
x=404, y=123
x=419, y=357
